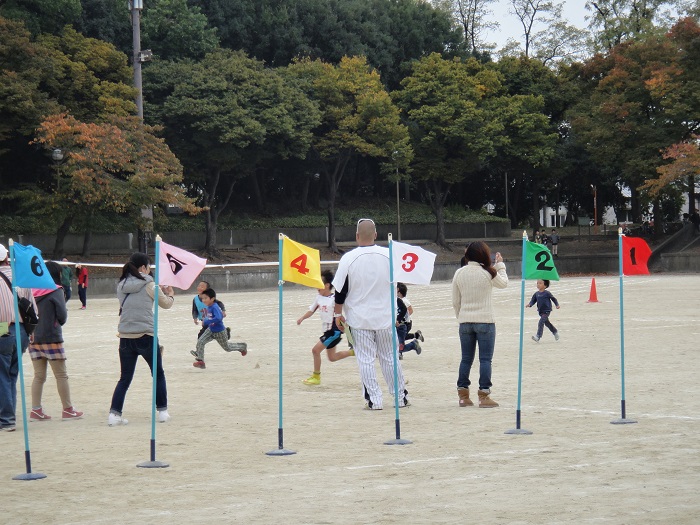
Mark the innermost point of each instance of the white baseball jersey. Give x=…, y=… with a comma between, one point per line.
x=368, y=302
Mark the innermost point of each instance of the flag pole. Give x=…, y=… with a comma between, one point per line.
x=517, y=429
x=154, y=368
x=29, y=475
x=280, y=450
x=622, y=420
x=395, y=345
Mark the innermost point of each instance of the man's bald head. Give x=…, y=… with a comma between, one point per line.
x=366, y=232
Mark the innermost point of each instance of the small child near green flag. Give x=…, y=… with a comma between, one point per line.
x=544, y=300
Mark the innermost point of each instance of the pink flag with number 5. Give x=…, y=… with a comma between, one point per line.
x=412, y=264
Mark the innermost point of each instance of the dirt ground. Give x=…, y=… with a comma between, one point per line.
x=461, y=466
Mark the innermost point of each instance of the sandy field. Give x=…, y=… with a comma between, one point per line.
x=575, y=467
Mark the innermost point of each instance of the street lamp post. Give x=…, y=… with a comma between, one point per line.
x=57, y=157
x=595, y=208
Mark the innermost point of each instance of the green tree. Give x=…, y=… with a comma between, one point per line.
x=639, y=100
x=452, y=111
x=42, y=16
x=91, y=78
x=116, y=166
x=108, y=20
x=389, y=33
x=358, y=118
x=223, y=117
x=174, y=30
x=616, y=21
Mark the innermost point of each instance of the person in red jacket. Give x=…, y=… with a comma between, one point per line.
x=82, y=274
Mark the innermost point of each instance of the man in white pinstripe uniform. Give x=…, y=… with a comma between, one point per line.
x=363, y=301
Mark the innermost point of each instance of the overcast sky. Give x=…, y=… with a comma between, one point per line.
x=573, y=11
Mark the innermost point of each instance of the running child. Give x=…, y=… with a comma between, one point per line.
x=324, y=303
x=214, y=330
x=404, y=310
x=544, y=300
x=198, y=308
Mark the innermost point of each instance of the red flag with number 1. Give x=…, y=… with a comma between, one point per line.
x=635, y=255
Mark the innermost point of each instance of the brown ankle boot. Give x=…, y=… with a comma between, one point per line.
x=485, y=401
x=464, y=400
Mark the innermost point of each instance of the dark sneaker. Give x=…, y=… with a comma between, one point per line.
x=419, y=336
x=418, y=348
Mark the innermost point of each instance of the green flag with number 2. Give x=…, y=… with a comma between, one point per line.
x=539, y=263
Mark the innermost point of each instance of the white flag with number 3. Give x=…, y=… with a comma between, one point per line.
x=412, y=264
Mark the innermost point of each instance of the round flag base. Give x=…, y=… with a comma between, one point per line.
x=518, y=431
x=280, y=452
x=153, y=464
x=398, y=441
x=622, y=421
x=29, y=476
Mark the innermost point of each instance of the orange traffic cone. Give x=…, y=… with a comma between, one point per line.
x=594, y=295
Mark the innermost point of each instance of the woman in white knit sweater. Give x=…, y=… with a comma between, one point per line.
x=472, y=287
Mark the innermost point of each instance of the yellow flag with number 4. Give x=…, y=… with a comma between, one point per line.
x=301, y=264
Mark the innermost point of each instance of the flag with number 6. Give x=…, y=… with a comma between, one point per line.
x=300, y=264
x=412, y=264
x=539, y=263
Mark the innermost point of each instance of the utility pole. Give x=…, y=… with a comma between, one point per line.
x=139, y=57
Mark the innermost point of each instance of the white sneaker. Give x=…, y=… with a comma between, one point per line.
x=556, y=336
x=115, y=420
x=163, y=416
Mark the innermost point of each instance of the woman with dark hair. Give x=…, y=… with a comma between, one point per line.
x=472, y=287
x=137, y=292
x=46, y=347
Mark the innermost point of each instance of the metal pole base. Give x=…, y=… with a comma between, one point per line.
x=518, y=431
x=398, y=441
x=153, y=464
x=622, y=421
x=280, y=452
x=29, y=476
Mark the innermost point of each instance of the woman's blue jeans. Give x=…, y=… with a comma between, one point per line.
x=469, y=335
x=129, y=352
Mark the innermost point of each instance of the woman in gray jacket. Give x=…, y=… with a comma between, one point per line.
x=137, y=292
x=46, y=347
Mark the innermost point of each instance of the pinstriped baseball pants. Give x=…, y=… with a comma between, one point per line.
x=370, y=345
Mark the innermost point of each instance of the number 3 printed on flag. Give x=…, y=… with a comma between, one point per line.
x=410, y=261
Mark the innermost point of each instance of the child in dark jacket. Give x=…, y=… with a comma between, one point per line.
x=544, y=300
x=213, y=322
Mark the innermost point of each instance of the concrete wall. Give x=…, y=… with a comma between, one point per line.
x=128, y=242
x=246, y=278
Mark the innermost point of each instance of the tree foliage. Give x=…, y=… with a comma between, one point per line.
x=358, y=118
x=174, y=30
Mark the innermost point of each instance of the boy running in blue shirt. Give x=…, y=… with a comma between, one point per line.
x=544, y=300
x=212, y=321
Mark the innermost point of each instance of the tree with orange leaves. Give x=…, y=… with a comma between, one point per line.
x=119, y=165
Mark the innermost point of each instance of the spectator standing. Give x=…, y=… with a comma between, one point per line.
x=362, y=296
x=82, y=274
x=472, y=288
x=554, y=239
x=47, y=348
x=136, y=293
x=9, y=363
x=66, y=277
